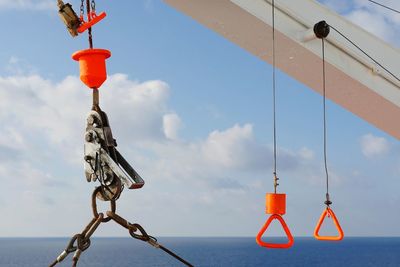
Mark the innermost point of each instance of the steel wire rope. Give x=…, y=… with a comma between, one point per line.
x=384, y=6
x=274, y=96
x=365, y=53
x=328, y=202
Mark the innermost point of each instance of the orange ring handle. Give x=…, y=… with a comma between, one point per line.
x=285, y=228
x=92, y=21
x=328, y=212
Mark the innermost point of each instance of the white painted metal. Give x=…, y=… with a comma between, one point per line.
x=354, y=81
x=297, y=16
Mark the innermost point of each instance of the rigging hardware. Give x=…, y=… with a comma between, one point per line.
x=322, y=30
x=69, y=17
x=275, y=203
x=80, y=242
x=103, y=163
x=75, y=24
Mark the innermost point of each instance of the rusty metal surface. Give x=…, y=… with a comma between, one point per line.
x=80, y=242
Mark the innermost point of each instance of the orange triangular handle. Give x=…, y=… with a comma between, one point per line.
x=285, y=228
x=328, y=212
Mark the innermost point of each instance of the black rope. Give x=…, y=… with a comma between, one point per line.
x=175, y=256
x=274, y=93
x=328, y=202
x=384, y=6
x=365, y=53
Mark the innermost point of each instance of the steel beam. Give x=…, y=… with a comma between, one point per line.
x=354, y=82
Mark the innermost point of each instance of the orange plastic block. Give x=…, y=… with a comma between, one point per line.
x=93, y=19
x=328, y=212
x=275, y=203
x=92, y=65
x=274, y=245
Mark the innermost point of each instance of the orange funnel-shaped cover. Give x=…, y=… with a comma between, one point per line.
x=92, y=65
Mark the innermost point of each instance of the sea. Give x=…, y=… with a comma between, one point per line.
x=207, y=252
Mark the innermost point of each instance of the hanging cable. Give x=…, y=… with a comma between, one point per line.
x=275, y=203
x=321, y=30
x=365, y=53
x=274, y=95
x=384, y=6
x=327, y=202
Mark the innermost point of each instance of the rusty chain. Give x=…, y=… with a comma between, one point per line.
x=79, y=243
x=113, y=205
x=82, y=9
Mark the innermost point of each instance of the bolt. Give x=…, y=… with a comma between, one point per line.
x=89, y=137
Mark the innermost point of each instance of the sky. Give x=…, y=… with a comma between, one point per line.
x=192, y=114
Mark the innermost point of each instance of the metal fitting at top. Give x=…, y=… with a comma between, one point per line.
x=321, y=29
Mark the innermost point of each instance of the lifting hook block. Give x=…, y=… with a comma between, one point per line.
x=328, y=212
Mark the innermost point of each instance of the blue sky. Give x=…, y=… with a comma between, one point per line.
x=192, y=113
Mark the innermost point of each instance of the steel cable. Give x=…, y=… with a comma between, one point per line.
x=384, y=6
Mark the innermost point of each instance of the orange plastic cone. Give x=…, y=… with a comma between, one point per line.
x=92, y=65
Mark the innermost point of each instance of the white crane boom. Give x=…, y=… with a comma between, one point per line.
x=353, y=81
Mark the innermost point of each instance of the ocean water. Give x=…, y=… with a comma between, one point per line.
x=124, y=252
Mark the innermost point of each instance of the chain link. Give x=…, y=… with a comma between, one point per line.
x=82, y=13
x=79, y=243
x=93, y=6
x=113, y=205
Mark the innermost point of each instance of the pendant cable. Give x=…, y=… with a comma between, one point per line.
x=274, y=95
x=384, y=6
x=328, y=201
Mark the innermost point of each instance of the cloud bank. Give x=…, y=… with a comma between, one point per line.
x=41, y=145
x=373, y=146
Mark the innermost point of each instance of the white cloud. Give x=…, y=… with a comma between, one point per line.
x=306, y=153
x=17, y=66
x=375, y=19
x=42, y=126
x=372, y=146
x=377, y=24
x=234, y=147
x=171, y=125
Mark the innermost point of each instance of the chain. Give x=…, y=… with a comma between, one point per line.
x=90, y=29
x=93, y=4
x=82, y=10
x=138, y=232
x=82, y=241
x=79, y=243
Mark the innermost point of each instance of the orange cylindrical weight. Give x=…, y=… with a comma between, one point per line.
x=275, y=203
x=92, y=65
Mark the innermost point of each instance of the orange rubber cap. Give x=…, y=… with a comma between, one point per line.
x=328, y=212
x=92, y=65
x=275, y=245
x=275, y=203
